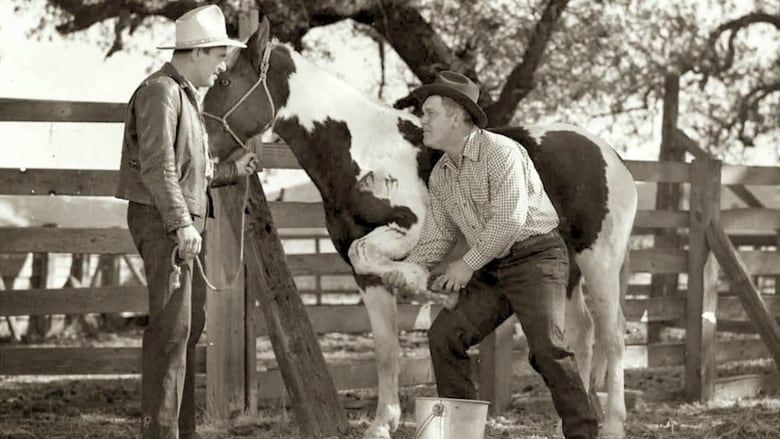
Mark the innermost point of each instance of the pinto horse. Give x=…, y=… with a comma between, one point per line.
x=368, y=162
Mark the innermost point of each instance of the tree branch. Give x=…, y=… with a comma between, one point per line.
x=733, y=26
x=521, y=80
x=84, y=14
x=748, y=108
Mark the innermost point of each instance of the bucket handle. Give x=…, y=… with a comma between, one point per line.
x=437, y=410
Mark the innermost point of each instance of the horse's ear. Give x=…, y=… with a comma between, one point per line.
x=264, y=30
x=258, y=41
x=232, y=56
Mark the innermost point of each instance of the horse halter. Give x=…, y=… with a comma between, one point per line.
x=262, y=79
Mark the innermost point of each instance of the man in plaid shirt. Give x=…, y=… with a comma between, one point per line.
x=486, y=187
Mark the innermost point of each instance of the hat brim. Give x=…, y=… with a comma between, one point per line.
x=422, y=93
x=225, y=42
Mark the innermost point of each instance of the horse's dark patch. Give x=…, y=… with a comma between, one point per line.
x=350, y=213
x=365, y=280
x=426, y=157
x=573, y=172
x=281, y=66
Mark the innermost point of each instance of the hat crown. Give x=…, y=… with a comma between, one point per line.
x=457, y=87
x=200, y=25
x=458, y=82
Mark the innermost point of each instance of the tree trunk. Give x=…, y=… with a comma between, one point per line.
x=668, y=196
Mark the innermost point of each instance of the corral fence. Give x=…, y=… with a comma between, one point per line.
x=227, y=354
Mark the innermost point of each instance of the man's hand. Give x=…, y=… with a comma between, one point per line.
x=457, y=275
x=246, y=164
x=189, y=242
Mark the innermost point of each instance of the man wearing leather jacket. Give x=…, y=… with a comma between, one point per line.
x=165, y=173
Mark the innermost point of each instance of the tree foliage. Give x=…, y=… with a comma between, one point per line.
x=535, y=58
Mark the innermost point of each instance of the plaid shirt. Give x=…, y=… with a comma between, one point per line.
x=494, y=197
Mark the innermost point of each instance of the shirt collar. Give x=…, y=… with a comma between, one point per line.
x=471, y=149
x=169, y=70
x=473, y=145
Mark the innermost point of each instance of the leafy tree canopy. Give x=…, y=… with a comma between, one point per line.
x=578, y=60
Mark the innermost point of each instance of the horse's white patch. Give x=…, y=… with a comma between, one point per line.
x=388, y=162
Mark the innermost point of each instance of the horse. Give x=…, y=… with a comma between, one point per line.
x=371, y=169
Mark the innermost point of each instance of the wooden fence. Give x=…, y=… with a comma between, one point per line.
x=695, y=308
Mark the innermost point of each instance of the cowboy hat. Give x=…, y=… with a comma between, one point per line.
x=457, y=87
x=202, y=27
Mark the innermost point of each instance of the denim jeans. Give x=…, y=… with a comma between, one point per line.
x=176, y=321
x=531, y=283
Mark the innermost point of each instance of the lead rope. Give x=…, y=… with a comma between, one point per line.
x=174, y=279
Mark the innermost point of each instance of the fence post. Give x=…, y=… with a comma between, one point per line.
x=231, y=380
x=495, y=367
x=702, y=300
x=248, y=21
x=39, y=326
x=667, y=197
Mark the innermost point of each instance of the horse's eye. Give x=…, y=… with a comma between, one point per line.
x=224, y=82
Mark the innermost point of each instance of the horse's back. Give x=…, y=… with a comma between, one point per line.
x=582, y=175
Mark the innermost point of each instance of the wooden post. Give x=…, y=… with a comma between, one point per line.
x=15, y=336
x=702, y=301
x=247, y=25
x=668, y=196
x=39, y=326
x=303, y=368
x=231, y=368
x=250, y=338
x=78, y=278
x=495, y=367
x=225, y=312
x=108, y=267
x=750, y=297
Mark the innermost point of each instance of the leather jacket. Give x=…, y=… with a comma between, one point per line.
x=165, y=151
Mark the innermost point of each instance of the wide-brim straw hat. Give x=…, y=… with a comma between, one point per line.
x=457, y=87
x=202, y=27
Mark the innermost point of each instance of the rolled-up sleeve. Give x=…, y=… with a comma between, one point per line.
x=157, y=107
x=437, y=238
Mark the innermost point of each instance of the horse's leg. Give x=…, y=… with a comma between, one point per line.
x=382, y=309
x=375, y=254
x=601, y=268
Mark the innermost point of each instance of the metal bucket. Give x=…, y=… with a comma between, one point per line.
x=447, y=418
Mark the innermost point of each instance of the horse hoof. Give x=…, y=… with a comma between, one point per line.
x=612, y=433
x=377, y=433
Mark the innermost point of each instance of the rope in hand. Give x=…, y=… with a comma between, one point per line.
x=174, y=279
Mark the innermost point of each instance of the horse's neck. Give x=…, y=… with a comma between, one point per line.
x=338, y=135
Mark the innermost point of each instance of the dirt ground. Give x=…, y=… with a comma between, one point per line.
x=108, y=407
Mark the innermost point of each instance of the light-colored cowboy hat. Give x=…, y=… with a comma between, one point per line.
x=457, y=87
x=202, y=27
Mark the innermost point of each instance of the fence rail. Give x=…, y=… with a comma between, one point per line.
x=751, y=226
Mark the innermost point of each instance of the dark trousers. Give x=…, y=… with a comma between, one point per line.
x=531, y=283
x=176, y=320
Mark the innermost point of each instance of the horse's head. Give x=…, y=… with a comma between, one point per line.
x=243, y=101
